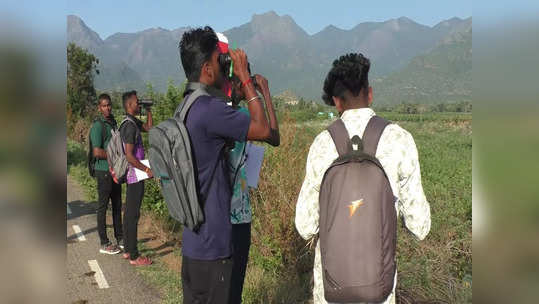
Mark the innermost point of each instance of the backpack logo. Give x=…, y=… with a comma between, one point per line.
x=354, y=206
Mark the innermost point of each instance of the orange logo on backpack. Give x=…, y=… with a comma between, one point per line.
x=354, y=206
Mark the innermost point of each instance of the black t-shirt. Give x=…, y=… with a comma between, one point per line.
x=128, y=131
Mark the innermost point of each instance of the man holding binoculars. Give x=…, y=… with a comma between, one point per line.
x=212, y=125
x=130, y=132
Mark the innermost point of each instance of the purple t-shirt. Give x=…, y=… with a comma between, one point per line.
x=210, y=122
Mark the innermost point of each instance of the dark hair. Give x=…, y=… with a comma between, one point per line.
x=103, y=96
x=196, y=48
x=127, y=95
x=350, y=73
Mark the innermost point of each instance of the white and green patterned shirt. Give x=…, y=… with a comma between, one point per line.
x=240, y=206
x=396, y=152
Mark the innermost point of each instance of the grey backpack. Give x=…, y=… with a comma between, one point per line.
x=358, y=221
x=171, y=160
x=116, y=154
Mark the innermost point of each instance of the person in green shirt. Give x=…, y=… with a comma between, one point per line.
x=240, y=206
x=107, y=189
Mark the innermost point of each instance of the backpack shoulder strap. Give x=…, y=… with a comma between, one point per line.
x=130, y=120
x=340, y=137
x=184, y=107
x=372, y=134
x=122, y=123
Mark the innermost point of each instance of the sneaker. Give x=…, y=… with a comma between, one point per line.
x=141, y=261
x=109, y=249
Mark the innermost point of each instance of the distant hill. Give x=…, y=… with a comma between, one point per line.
x=444, y=74
x=277, y=47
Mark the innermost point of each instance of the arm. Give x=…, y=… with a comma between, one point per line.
x=149, y=120
x=274, y=138
x=258, y=126
x=413, y=204
x=307, y=207
x=133, y=161
x=99, y=153
x=95, y=137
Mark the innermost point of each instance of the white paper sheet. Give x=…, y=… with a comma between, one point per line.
x=141, y=175
x=255, y=156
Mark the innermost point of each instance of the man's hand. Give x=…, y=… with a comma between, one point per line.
x=261, y=84
x=239, y=59
x=263, y=88
x=99, y=153
x=150, y=173
x=149, y=120
x=258, y=128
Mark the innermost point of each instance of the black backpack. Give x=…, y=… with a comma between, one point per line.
x=91, y=160
x=358, y=220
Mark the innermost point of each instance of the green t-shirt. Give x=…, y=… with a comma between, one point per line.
x=97, y=140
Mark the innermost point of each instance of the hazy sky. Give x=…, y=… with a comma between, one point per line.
x=109, y=17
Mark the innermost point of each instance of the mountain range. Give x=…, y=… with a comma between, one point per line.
x=444, y=74
x=404, y=55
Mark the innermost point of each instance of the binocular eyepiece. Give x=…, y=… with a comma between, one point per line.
x=225, y=62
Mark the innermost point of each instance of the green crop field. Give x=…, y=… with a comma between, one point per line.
x=438, y=269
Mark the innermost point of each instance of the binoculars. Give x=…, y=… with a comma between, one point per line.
x=145, y=103
x=225, y=62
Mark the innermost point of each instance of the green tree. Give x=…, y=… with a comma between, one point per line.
x=173, y=97
x=81, y=94
x=165, y=104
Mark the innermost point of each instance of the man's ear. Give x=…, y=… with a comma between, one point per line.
x=370, y=96
x=339, y=104
x=206, y=71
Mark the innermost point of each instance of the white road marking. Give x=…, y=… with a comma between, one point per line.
x=99, y=277
x=80, y=236
x=68, y=209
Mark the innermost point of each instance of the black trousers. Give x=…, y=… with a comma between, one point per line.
x=133, y=200
x=241, y=240
x=206, y=282
x=107, y=190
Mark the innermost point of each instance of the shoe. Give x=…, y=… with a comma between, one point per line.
x=120, y=244
x=125, y=256
x=109, y=249
x=141, y=261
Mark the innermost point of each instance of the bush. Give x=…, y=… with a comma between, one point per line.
x=77, y=168
x=277, y=249
x=76, y=153
x=418, y=108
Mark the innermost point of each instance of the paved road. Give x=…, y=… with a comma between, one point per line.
x=113, y=280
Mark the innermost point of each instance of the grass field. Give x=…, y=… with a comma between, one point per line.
x=438, y=269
